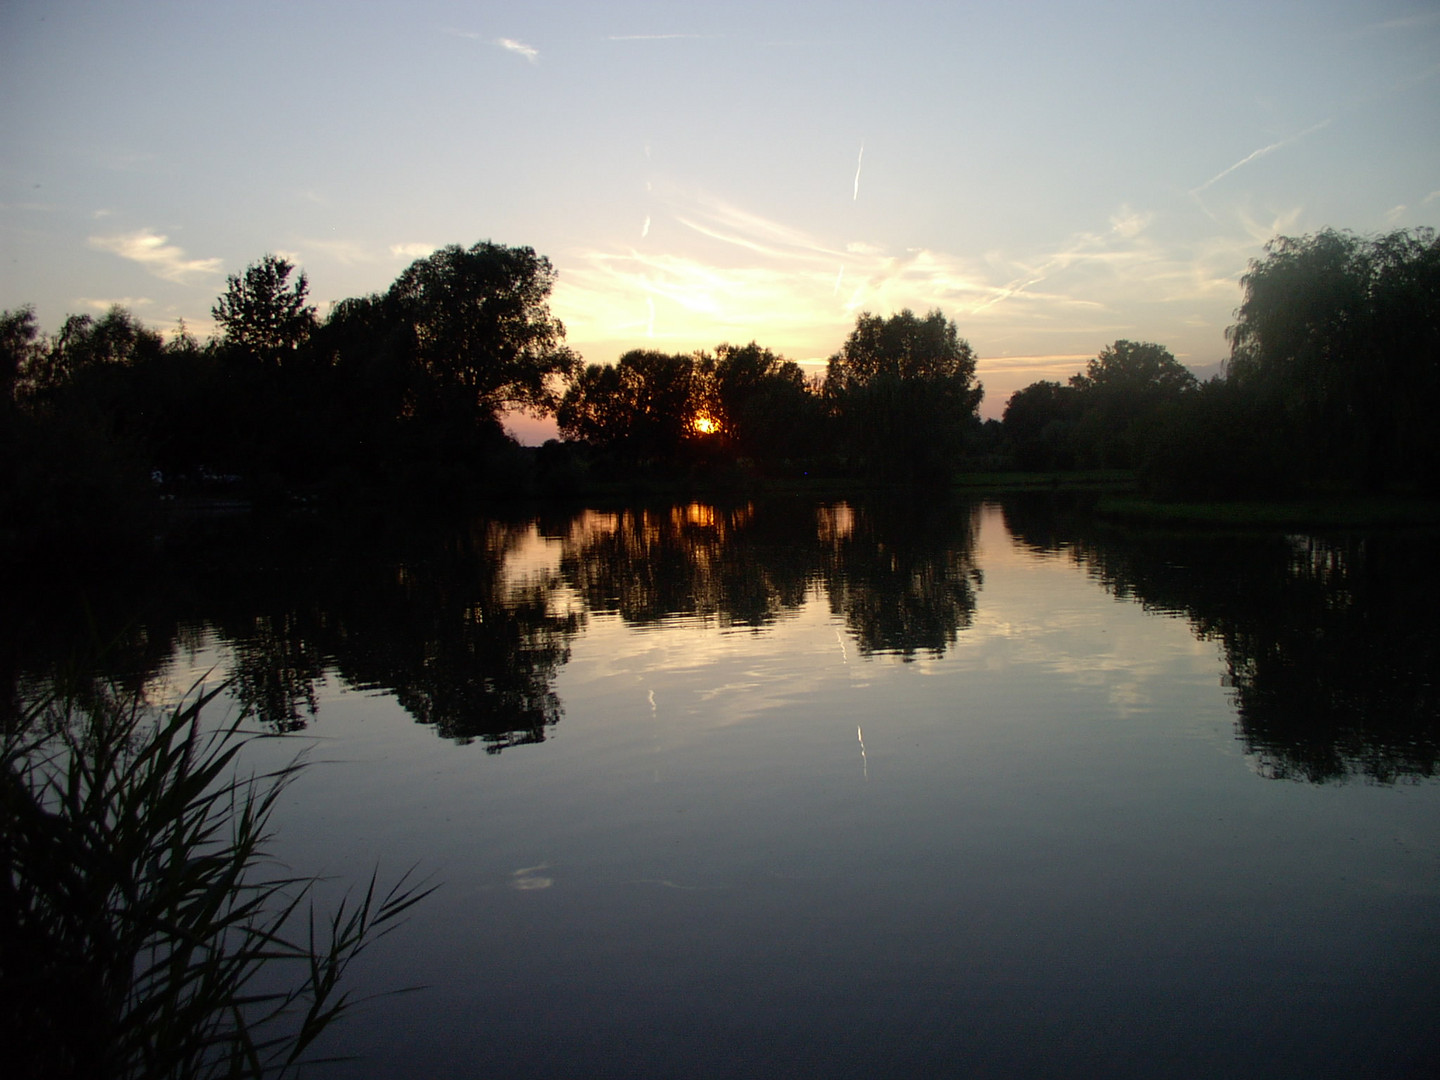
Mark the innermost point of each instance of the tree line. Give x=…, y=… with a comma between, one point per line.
x=1331, y=383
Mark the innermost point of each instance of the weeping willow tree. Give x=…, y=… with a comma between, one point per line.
x=1337, y=341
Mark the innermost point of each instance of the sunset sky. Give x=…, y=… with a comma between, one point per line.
x=1052, y=176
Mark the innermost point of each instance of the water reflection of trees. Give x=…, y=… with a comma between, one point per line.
x=740, y=566
x=436, y=618
x=462, y=646
x=430, y=617
x=901, y=575
x=1330, y=643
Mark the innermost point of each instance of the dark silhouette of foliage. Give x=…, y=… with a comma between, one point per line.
x=1039, y=425
x=134, y=917
x=479, y=328
x=262, y=313
x=1117, y=398
x=1135, y=371
x=1213, y=444
x=764, y=405
x=1338, y=341
x=82, y=360
x=650, y=410
x=904, y=392
x=79, y=471
x=1333, y=382
x=21, y=350
x=645, y=405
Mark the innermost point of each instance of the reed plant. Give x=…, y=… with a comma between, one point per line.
x=144, y=930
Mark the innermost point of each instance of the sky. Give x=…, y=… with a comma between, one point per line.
x=1052, y=176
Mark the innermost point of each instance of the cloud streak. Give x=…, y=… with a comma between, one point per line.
x=654, y=37
x=152, y=251
x=1255, y=155
x=728, y=274
x=129, y=302
x=519, y=48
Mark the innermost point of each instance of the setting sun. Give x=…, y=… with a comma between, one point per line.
x=704, y=424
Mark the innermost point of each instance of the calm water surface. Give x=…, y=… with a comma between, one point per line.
x=846, y=790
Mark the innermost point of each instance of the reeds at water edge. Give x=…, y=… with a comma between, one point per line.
x=144, y=930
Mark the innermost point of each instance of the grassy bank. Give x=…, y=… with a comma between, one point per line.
x=1341, y=512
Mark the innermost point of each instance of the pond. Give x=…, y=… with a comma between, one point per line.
x=844, y=789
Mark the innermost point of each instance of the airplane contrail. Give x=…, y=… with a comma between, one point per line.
x=1253, y=155
x=859, y=163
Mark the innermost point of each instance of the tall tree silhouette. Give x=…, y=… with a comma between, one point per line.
x=480, y=330
x=1337, y=340
x=904, y=389
x=263, y=313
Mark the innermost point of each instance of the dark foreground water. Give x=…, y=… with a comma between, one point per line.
x=849, y=790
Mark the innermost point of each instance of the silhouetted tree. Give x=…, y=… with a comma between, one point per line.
x=645, y=406
x=904, y=390
x=765, y=406
x=1038, y=425
x=80, y=466
x=20, y=347
x=480, y=330
x=87, y=349
x=1337, y=340
x=262, y=313
x=1135, y=370
x=1117, y=398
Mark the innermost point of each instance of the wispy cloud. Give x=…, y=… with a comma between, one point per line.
x=152, y=251
x=744, y=276
x=520, y=48
x=1129, y=223
x=508, y=44
x=654, y=37
x=1262, y=230
x=740, y=276
x=1257, y=154
x=412, y=250
x=1054, y=363
x=99, y=304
